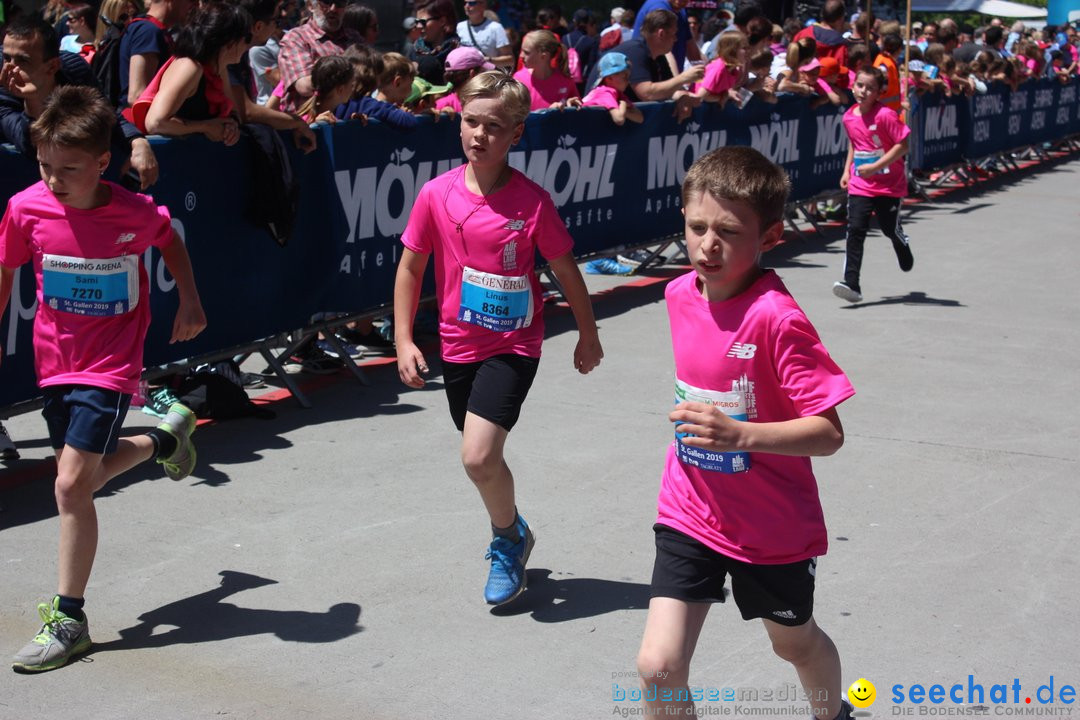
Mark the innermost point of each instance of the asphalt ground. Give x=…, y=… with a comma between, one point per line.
x=330, y=563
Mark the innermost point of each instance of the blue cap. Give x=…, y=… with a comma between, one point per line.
x=613, y=62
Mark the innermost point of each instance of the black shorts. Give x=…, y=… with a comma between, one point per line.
x=494, y=388
x=687, y=570
x=84, y=417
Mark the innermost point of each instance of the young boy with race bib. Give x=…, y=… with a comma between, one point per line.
x=86, y=238
x=484, y=222
x=756, y=396
x=874, y=177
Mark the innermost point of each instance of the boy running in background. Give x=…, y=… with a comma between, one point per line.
x=740, y=498
x=484, y=222
x=86, y=238
x=874, y=177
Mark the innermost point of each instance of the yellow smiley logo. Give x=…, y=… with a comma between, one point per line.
x=862, y=693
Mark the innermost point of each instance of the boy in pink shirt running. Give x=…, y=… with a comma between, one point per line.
x=757, y=395
x=484, y=222
x=86, y=238
x=874, y=177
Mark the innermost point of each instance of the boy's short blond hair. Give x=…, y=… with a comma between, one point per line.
x=742, y=174
x=515, y=97
x=394, y=65
x=75, y=116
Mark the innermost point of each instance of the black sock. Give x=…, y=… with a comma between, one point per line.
x=510, y=533
x=164, y=443
x=72, y=607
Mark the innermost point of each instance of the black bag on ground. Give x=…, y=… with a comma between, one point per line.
x=216, y=391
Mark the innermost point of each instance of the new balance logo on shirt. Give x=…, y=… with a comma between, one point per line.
x=514, y=225
x=743, y=351
x=125, y=238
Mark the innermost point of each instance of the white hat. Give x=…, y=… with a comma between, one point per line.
x=616, y=14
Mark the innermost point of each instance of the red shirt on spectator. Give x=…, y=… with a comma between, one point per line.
x=300, y=48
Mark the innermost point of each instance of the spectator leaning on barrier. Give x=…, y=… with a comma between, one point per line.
x=147, y=44
x=651, y=76
x=243, y=83
x=486, y=35
x=392, y=89
x=189, y=94
x=33, y=69
x=684, y=47
x=322, y=35
x=89, y=331
x=545, y=72
x=614, y=72
x=438, y=20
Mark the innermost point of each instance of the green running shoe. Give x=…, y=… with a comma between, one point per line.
x=61, y=639
x=179, y=422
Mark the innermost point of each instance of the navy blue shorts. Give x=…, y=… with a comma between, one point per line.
x=84, y=417
x=493, y=389
x=688, y=570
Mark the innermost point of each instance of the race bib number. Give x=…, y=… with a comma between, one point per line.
x=865, y=157
x=733, y=404
x=86, y=286
x=495, y=302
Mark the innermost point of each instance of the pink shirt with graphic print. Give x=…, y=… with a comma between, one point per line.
x=74, y=349
x=499, y=234
x=758, y=342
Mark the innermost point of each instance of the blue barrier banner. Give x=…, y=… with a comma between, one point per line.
x=613, y=186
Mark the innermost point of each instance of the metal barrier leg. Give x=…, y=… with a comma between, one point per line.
x=558, y=292
x=332, y=338
x=286, y=378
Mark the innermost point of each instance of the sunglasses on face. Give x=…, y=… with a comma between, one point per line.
x=422, y=22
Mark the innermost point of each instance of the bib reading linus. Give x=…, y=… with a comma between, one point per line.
x=485, y=278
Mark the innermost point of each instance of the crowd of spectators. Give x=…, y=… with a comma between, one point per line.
x=178, y=67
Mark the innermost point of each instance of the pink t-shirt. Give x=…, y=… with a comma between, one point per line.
x=872, y=135
x=604, y=96
x=719, y=78
x=555, y=88
x=92, y=291
x=497, y=242
x=760, y=345
x=450, y=100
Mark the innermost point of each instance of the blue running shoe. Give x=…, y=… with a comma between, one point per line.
x=607, y=266
x=507, y=577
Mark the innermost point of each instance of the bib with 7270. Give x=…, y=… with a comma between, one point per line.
x=500, y=303
x=100, y=287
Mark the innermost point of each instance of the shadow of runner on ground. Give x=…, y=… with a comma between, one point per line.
x=912, y=298
x=205, y=618
x=570, y=598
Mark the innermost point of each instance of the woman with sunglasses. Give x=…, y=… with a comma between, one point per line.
x=189, y=95
x=437, y=19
